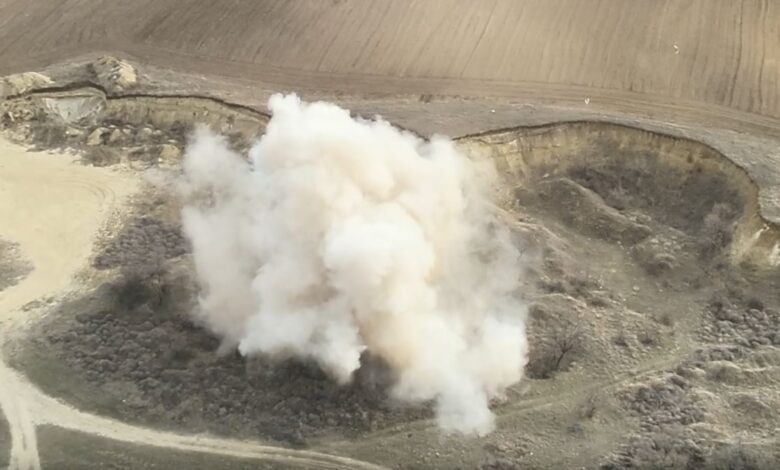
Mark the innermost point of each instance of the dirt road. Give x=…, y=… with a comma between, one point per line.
x=24, y=448
x=53, y=209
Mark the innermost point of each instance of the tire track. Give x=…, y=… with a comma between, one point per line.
x=24, y=446
x=26, y=407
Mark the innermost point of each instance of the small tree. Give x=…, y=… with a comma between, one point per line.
x=557, y=353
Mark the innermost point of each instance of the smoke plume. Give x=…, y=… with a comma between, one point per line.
x=340, y=237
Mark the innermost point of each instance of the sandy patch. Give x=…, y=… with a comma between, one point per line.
x=52, y=207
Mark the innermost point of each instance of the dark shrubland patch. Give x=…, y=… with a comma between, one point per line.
x=669, y=194
x=738, y=456
x=670, y=449
x=142, y=245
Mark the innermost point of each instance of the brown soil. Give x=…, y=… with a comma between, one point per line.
x=491, y=47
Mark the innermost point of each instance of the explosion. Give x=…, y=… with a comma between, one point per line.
x=340, y=237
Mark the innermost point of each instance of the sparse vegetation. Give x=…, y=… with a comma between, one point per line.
x=738, y=321
x=649, y=337
x=717, y=229
x=670, y=449
x=141, y=246
x=589, y=408
x=738, y=456
x=557, y=353
x=665, y=319
x=13, y=267
x=665, y=403
x=620, y=339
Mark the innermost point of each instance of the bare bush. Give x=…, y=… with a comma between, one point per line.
x=666, y=404
x=557, y=353
x=649, y=337
x=717, y=230
x=741, y=323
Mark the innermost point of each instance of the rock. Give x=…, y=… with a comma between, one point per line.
x=22, y=82
x=73, y=132
x=169, y=154
x=114, y=74
x=96, y=137
x=679, y=381
x=115, y=136
x=74, y=108
x=144, y=134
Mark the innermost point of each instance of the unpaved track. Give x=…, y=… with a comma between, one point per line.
x=46, y=410
x=24, y=446
x=54, y=208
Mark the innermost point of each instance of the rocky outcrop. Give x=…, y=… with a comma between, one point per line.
x=114, y=75
x=19, y=83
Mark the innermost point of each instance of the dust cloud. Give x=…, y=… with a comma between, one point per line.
x=340, y=237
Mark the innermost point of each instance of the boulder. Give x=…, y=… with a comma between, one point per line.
x=22, y=82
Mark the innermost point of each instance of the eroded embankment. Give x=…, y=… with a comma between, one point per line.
x=678, y=181
x=140, y=130
x=680, y=177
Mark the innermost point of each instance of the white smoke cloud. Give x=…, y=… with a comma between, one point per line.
x=342, y=236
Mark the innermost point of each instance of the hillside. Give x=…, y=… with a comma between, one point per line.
x=718, y=52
